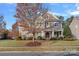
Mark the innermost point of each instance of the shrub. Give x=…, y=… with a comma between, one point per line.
x=60, y=38
x=69, y=39
x=24, y=38
x=54, y=38
x=18, y=38
x=29, y=38
x=35, y=43
x=40, y=38
x=57, y=38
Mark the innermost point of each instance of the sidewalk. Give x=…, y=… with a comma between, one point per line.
x=37, y=53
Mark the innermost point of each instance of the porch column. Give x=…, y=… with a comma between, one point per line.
x=52, y=33
x=43, y=34
x=62, y=33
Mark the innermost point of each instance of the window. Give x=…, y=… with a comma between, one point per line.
x=47, y=24
x=56, y=24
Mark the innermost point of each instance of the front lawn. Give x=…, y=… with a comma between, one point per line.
x=13, y=43
x=20, y=45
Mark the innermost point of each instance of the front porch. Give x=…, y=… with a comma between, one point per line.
x=51, y=34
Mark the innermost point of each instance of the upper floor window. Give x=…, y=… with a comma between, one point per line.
x=47, y=24
x=56, y=23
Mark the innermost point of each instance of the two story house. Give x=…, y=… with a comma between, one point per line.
x=49, y=26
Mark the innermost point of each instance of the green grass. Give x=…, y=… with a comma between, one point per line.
x=20, y=45
x=61, y=43
x=66, y=43
x=30, y=49
x=13, y=43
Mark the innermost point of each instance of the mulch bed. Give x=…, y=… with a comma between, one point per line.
x=32, y=44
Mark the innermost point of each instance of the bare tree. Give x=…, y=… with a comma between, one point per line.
x=29, y=12
x=3, y=30
x=2, y=24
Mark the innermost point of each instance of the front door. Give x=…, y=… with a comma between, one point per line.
x=48, y=34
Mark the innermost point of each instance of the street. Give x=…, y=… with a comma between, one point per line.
x=38, y=53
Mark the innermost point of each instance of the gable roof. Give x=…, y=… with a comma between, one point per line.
x=50, y=17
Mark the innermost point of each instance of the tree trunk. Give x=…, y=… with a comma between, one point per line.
x=33, y=37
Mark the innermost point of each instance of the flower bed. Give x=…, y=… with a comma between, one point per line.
x=35, y=43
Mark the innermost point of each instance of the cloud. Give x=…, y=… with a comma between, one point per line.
x=74, y=13
x=77, y=6
x=59, y=14
x=54, y=13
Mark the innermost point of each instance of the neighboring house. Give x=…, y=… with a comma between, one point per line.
x=74, y=26
x=18, y=29
x=49, y=26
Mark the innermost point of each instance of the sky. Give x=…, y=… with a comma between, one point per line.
x=8, y=10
